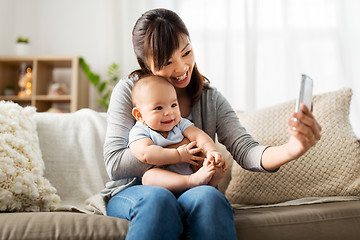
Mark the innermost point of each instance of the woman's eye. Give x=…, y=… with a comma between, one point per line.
x=187, y=53
x=168, y=63
x=158, y=108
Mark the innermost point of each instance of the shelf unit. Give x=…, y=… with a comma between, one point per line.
x=46, y=70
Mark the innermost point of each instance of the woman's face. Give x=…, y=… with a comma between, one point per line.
x=179, y=68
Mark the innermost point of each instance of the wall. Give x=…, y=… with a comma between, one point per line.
x=67, y=27
x=100, y=31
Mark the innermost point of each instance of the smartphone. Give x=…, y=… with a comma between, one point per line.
x=305, y=93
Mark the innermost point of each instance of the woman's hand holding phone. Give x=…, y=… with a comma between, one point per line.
x=304, y=129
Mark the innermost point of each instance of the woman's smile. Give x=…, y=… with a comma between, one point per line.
x=181, y=79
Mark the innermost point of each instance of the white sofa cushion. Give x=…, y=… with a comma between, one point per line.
x=331, y=168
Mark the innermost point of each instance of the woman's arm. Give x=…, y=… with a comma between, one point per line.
x=120, y=163
x=217, y=116
x=248, y=153
x=304, y=133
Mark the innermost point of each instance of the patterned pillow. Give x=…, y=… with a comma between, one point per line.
x=22, y=185
x=331, y=168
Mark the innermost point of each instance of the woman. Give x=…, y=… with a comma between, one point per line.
x=162, y=47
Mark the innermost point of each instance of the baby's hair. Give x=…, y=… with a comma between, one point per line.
x=140, y=82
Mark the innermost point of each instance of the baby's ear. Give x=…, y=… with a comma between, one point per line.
x=137, y=114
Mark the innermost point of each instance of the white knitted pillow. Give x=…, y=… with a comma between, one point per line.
x=331, y=168
x=22, y=185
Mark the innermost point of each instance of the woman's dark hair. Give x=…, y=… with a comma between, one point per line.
x=157, y=33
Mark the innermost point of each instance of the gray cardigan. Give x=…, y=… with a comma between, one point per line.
x=212, y=113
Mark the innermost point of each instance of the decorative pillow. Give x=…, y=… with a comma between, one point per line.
x=331, y=168
x=22, y=185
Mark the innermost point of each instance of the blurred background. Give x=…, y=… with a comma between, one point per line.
x=253, y=51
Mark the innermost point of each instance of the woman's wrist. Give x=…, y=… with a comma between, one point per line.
x=274, y=157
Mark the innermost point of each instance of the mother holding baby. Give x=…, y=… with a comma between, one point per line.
x=163, y=48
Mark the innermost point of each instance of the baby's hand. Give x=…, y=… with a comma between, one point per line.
x=218, y=160
x=187, y=152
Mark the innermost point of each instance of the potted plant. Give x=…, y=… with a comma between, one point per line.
x=103, y=87
x=22, y=46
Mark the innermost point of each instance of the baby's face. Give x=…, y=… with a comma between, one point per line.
x=159, y=107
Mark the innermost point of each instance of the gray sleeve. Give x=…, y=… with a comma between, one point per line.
x=245, y=150
x=119, y=161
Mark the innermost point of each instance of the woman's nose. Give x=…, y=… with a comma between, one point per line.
x=180, y=67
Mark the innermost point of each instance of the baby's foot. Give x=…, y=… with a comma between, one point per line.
x=203, y=175
x=218, y=175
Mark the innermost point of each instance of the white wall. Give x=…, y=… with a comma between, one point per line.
x=100, y=31
x=68, y=27
x=6, y=26
x=55, y=27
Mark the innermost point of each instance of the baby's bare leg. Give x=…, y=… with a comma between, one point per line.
x=175, y=182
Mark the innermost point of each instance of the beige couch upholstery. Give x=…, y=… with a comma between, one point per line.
x=71, y=147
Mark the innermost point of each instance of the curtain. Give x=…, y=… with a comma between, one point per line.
x=254, y=51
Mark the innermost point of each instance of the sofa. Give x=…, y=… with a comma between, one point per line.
x=52, y=170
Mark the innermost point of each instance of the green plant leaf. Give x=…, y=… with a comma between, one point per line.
x=102, y=86
x=94, y=78
x=113, y=69
x=107, y=95
x=104, y=103
x=22, y=40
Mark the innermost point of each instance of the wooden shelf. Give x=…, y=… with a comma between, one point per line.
x=15, y=98
x=53, y=98
x=46, y=70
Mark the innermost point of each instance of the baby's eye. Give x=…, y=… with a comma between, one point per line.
x=173, y=105
x=158, y=108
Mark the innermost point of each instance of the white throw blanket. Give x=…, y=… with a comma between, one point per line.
x=72, y=148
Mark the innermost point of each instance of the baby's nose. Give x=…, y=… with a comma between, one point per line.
x=169, y=112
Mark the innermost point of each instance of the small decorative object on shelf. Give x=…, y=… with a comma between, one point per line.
x=9, y=90
x=57, y=89
x=22, y=46
x=25, y=85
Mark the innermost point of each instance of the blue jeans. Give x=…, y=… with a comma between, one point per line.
x=155, y=213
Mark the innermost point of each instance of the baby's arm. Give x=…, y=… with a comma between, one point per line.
x=203, y=141
x=146, y=151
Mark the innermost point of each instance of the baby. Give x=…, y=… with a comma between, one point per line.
x=159, y=124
